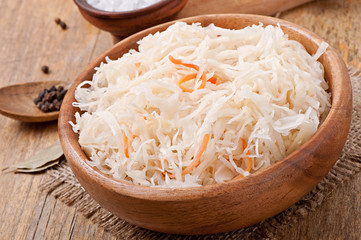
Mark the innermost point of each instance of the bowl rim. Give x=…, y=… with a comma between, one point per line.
x=83, y=4
x=77, y=158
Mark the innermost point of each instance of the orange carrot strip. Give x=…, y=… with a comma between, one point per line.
x=197, y=159
x=126, y=146
x=214, y=80
x=204, y=81
x=137, y=64
x=185, y=79
x=190, y=77
x=178, y=61
x=244, y=144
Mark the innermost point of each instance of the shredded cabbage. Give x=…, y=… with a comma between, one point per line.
x=271, y=94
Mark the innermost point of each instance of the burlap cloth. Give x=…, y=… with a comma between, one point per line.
x=63, y=185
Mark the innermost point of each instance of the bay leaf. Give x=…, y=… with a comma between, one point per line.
x=41, y=158
x=38, y=169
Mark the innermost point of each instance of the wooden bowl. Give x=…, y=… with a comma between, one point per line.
x=123, y=24
x=230, y=205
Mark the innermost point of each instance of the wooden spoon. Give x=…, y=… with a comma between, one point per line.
x=16, y=101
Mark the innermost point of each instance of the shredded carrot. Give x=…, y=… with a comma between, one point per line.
x=178, y=61
x=126, y=146
x=137, y=64
x=197, y=159
x=192, y=76
x=214, y=80
x=204, y=81
x=244, y=144
x=185, y=79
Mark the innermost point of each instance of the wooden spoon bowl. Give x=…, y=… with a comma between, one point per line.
x=123, y=24
x=16, y=101
x=230, y=205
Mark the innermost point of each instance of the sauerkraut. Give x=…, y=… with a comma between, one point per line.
x=201, y=105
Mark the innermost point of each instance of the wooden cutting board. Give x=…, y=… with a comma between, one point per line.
x=263, y=7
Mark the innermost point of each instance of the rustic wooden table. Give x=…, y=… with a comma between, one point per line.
x=29, y=38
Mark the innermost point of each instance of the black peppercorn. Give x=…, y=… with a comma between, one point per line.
x=57, y=20
x=37, y=100
x=52, y=89
x=45, y=69
x=46, y=97
x=62, y=25
x=41, y=95
x=44, y=108
x=56, y=104
x=51, y=107
x=50, y=99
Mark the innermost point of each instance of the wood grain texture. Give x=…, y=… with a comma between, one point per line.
x=219, y=207
x=27, y=213
x=201, y=7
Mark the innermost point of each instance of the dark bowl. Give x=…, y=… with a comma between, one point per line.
x=123, y=24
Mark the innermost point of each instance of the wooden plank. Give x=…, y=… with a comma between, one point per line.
x=199, y=7
x=337, y=218
x=44, y=43
x=338, y=22
x=29, y=38
x=84, y=227
x=26, y=213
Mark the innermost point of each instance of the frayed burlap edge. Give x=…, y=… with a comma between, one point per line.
x=63, y=185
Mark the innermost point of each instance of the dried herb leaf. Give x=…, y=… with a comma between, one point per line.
x=39, y=169
x=41, y=158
